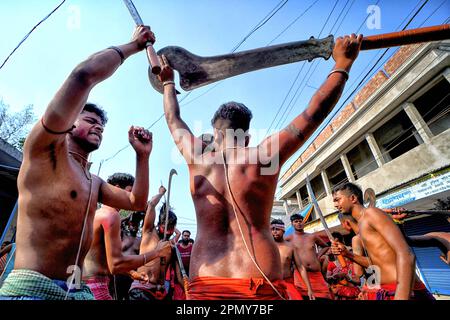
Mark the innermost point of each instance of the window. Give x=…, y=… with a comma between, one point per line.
x=434, y=107
x=397, y=136
x=336, y=174
x=361, y=160
x=304, y=196
x=318, y=187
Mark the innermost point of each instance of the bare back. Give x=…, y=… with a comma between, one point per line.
x=53, y=198
x=304, y=245
x=219, y=250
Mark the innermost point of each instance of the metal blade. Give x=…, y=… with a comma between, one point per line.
x=317, y=208
x=196, y=71
x=172, y=172
x=133, y=11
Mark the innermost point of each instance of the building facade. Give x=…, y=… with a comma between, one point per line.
x=394, y=137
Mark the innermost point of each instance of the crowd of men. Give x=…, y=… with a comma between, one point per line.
x=97, y=254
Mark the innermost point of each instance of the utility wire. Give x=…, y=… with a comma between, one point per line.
x=29, y=33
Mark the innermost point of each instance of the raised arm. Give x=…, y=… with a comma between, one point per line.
x=405, y=259
x=284, y=143
x=142, y=142
x=150, y=215
x=70, y=99
x=117, y=262
x=189, y=145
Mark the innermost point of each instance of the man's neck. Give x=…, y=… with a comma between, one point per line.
x=357, y=212
x=300, y=232
x=78, y=154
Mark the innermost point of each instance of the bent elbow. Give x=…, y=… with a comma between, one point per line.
x=139, y=205
x=83, y=75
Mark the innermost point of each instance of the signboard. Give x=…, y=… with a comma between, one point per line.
x=418, y=191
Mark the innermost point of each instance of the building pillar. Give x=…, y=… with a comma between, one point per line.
x=326, y=182
x=286, y=207
x=418, y=122
x=347, y=168
x=299, y=199
x=446, y=74
x=376, y=152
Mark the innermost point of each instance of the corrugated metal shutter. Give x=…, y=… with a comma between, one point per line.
x=434, y=271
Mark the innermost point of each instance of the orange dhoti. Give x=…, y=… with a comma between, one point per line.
x=291, y=289
x=387, y=292
x=318, y=285
x=218, y=288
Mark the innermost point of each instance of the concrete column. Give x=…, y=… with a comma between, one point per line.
x=418, y=122
x=373, y=145
x=299, y=199
x=446, y=74
x=326, y=182
x=347, y=168
x=286, y=207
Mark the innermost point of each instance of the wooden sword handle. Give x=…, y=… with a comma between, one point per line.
x=153, y=59
x=394, y=39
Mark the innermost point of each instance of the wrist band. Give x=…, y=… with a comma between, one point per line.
x=168, y=82
x=145, y=259
x=343, y=71
x=122, y=57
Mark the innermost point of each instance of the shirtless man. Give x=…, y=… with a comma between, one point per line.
x=105, y=257
x=304, y=245
x=154, y=287
x=289, y=261
x=385, y=247
x=234, y=255
x=57, y=194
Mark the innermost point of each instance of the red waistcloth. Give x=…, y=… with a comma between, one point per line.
x=218, y=288
x=291, y=289
x=99, y=286
x=387, y=292
x=318, y=284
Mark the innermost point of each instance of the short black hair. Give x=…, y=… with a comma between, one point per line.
x=296, y=216
x=123, y=180
x=238, y=114
x=91, y=107
x=162, y=216
x=186, y=231
x=339, y=236
x=346, y=217
x=351, y=188
x=277, y=221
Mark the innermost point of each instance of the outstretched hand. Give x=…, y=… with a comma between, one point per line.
x=143, y=35
x=141, y=140
x=346, y=49
x=166, y=73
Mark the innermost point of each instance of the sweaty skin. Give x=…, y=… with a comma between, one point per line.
x=382, y=239
x=54, y=184
x=219, y=249
x=150, y=240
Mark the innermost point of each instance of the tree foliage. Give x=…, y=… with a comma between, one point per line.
x=15, y=126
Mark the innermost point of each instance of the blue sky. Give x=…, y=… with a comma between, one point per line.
x=81, y=27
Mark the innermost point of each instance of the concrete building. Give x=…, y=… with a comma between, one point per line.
x=394, y=137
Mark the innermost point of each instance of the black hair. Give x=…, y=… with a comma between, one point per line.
x=186, y=231
x=339, y=236
x=238, y=114
x=91, y=107
x=123, y=180
x=277, y=221
x=296, y=216
x=162, y=216
x=349, y=217
x=351, y=188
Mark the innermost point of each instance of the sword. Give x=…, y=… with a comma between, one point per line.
x=321, y=217
x=151, y=54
